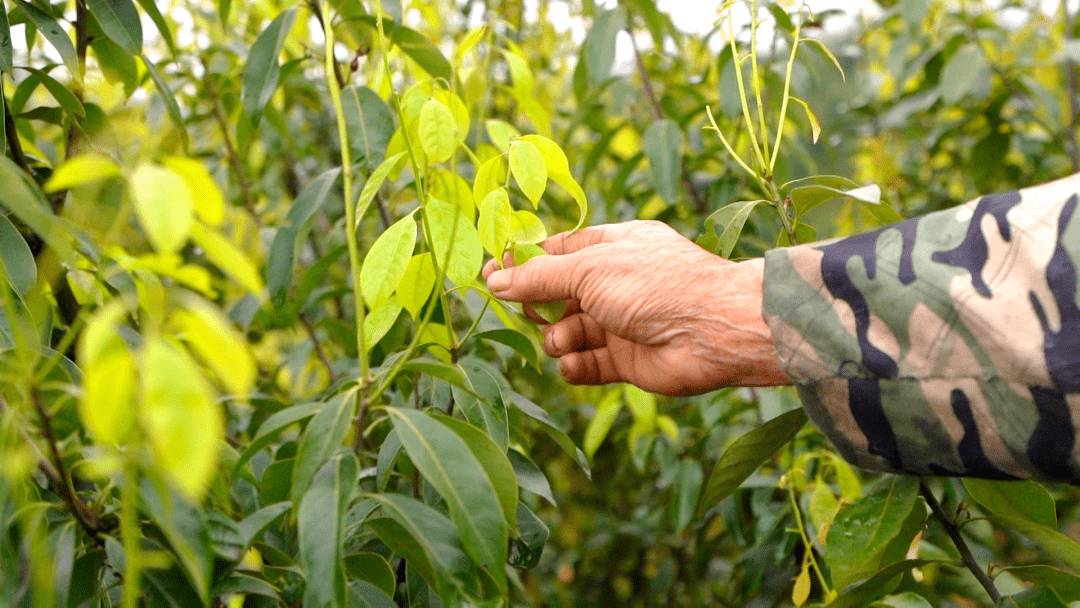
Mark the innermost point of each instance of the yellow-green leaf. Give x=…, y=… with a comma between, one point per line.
x=472, y=38
x=164, y=206
x=386, y=261
x=815, y=126
x=82, y=169
x=416, y=284
x=438, y=131
x=529, y=169
x=801, y=591
x=501, y=132
x=668, y=426
x=641, y=404
x=209, y=202
x=379, y=321
x=228, y=257
x=182, y=421
x=453, y=188
x=494, y=225
x=455, y=242
x=217, y=343
x=526, y=228
x=558, y=168
x=490, y=176
x=606, y=412
x=107, y=407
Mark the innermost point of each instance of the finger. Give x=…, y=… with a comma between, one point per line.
x=532, y=315
x=574, y=333
x=589, y=367
x=493, y=265
x=543, y=279
x=569, y=242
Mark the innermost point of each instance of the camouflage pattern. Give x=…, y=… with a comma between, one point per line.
x=947, y=344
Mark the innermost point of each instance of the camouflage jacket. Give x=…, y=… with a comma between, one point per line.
x=948, y=344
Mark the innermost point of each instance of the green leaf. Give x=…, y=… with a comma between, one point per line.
x=448, y=372
x=320, y=527
x=422, y=51
x=526, y=228
x=663, y=142
x=482, y=403
x=558, y=169
x=494, y=225
x=687, y=488
x=323, y=436
x=416, y=284
x=59, y=92
x=815, y=126
x=530, y=477
x=1049, y=540
x=747, y=453
x=878, y=585
x=379, y=322
x=80, y=170
x=515, y=340
x=6, y=48
x=729, y=221
x=489, y=177
x=1065, y=585
x=151, y=9
x=438, y=131
x=599, y=45
x=373, y=183
x=449, y=465
x=825, y=50
x=225, y=255
x=164, y=206
x=262, y=70
x=606, y=412
x=370, y=125
x=861, y=531
x=120, y=21
x=255, y=524
x=384, y=464
x=527, y=548
x=426, y=539
x=373, y=568
x=287, y=241
x=455, y=242
x=529, y=170
x=500, y=133
x=535, y=412
x=209, y=202
x=386, y=261
x=805, y=198
x=184, y=425
x=184, y=527
x=500, y=473
x=1020, y=499
x=273, y=426
x=167, y=96
x=53, y=33
x=966, y=69
x=16, y=260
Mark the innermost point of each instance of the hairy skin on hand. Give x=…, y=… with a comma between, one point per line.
x=649, y=307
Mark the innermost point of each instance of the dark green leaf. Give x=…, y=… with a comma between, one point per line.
x=747, y=453
x=422, y=51
x=370, y=124
x=599, y=45
x=388, y=453
x=366, y=595
x=253, y=525
x=877, y=585
x=120, y=21
x=535, y=412
x=530, y=477
x=273, y=425
x=248, y=585
x=166, y=94
x=323, y=436
x=319, y=523
x=150, y=6
x=118, y=65
x=483, y=404
x=372, y=568
x=185, y=530
x=1065, y=585
x=449, y=465
x=60, y=93
x=1049, y=540
x=22, y=197
x=861, y=531
x=687, y=489
x=287, y=240
x=1019, y=499
x=263, y=70
x=55, y=34
x=527, y=548
x=663, y=146
x=6, y=49
x=494, y=459
x=16, y=259
x=515, y=340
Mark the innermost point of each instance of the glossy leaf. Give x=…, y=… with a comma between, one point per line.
x=387, y=260
x=493, y=458
x=861, y=531
x=482, y=403
x=67, y=100
x=1064, y=584
x=262, y=71
x=529, y=170
x=323, y=436
x=120, y=21
x=877, y=585
x=379, y=321
x=515, y=340
x=747, y=453
x=1019, y=499
x=422, y=51
x=6, y=48
x=57, y=37
x=530, y=477
x=528, y=546
x=526, y=228
x=373, y=568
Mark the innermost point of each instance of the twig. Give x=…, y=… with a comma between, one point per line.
x=230, y=148
x=319, y=349
x=361, y=422
x=965, y=553
x=384, y=211
x=14, y=145
x=657, y=113
x=59, y=474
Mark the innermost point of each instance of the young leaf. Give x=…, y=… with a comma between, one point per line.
x=529, y=169
x=449, y=465
x=452, y=188
x=226, y=256
x=214, y=340
x=209, y=202
x=663, y=146
x=164, y=206
x=494, y=224
x=815, y=126
x=320, y=526
x=262, y=70
x=606, y=412
x=416, y=284
x=501, y=133
x=455, y=242
x=824, y=49
x=422, y=51
x=120, y=21
x=184, y=425
x=526, y=228
x=373, y=183
x=558, y=169
x=489, y=177
x=379, y=321
x=438, y=131
x=387, y=260
x=472, y=38
x=107, y=407
x=747, y=453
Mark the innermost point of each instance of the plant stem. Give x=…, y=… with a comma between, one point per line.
x=14, y=145
x=131, y=537
x=965, y=553
x=347, y=182
x=828, y=591
x=318, y=348
x=89, y=520
x=230, y=148
x=757, y=80
x=787, y=93
x=742, y=95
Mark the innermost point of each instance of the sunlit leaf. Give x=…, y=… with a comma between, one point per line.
x=120, y=21
x=164, y=206
x=456, y=243
x=209, y=202
x=213, y=339
x=416, y=283
x=529, y=170
x=386, y=261
x=438, y=131
x=226, y=256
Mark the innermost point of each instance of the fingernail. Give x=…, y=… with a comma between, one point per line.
x=499, y=280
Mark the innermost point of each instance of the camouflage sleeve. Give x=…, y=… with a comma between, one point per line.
x=948, y=344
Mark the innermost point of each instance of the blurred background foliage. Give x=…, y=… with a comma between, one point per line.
x=177, y=284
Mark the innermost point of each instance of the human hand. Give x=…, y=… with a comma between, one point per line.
x=649, y=307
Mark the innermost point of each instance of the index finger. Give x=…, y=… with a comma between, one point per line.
x=570, y=242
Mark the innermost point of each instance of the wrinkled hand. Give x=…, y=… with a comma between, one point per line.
x=649, y=307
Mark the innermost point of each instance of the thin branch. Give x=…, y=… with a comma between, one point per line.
x=318, y=348
x=657, y=113
x=961, y=545
x=384, y=211
x=361, y=422
x=234, y=157
x=88, y=519
x=14, y=145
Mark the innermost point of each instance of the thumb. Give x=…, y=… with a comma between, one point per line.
x=542, y=279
